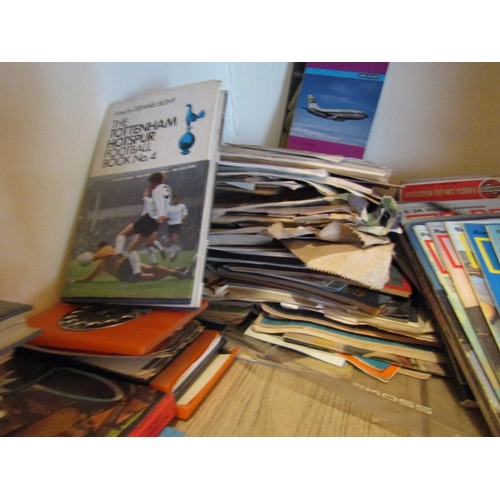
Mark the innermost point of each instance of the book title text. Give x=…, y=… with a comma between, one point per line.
x=133, y=143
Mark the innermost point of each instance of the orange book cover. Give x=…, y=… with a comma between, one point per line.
x=167, y=379
x=185, y=410
x=136, y=336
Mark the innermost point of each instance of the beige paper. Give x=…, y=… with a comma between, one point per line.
x=367, y=266
x=333, y=232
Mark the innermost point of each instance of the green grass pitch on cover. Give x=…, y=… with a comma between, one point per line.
x=107, y=286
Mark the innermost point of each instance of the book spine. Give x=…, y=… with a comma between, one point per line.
x=184, y=411
x=156, y=420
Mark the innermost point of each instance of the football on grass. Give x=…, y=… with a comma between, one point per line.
x=85, y=258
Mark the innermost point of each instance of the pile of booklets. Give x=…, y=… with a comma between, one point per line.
x=14, y=330
x=41, y=397
x=124, y=352
x=451, y=234
x=79, y=378
x=305, y=241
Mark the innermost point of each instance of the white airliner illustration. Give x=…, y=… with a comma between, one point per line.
x=338, y=115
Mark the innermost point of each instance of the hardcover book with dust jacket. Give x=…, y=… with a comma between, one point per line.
x=142, y=230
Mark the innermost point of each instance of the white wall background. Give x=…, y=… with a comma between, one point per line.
x=434, y=119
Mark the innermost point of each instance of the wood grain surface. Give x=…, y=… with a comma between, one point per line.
x=255, y=399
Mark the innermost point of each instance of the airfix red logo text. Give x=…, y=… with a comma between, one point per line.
x=490, y=188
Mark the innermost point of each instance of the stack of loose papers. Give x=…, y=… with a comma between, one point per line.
x=305, y=241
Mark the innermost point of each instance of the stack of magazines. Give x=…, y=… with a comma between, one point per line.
x=304, y=242
x=451, y=233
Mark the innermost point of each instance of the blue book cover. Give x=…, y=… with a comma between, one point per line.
x=483, y=250
x=493, y=231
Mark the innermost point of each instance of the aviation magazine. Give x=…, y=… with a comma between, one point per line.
x=143, y=225
x=336, y=107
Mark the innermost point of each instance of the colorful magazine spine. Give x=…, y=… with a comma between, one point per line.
x=458, y=309
x=467, y=297
x=481, y=245
x=467, y=370
x=493, y=231
x=475, y=276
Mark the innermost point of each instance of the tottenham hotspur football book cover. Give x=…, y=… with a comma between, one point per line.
x=143, y=223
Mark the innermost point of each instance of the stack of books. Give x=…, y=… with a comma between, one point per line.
x=48, y=398
x=305, y=241
x=14, y=330
x=451, y=235
x=167, y=350
x=126, y=334
x=40, y=396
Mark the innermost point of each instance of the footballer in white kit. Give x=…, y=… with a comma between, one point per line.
x=176, y=215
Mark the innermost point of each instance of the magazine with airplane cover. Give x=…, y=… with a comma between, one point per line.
x=336, y=107
x=143, y=224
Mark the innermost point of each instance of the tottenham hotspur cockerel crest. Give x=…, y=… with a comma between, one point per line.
x=187, y=140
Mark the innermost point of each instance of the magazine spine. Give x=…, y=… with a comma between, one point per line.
x=472, y=383
x=431, y=292
x=465, y=304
